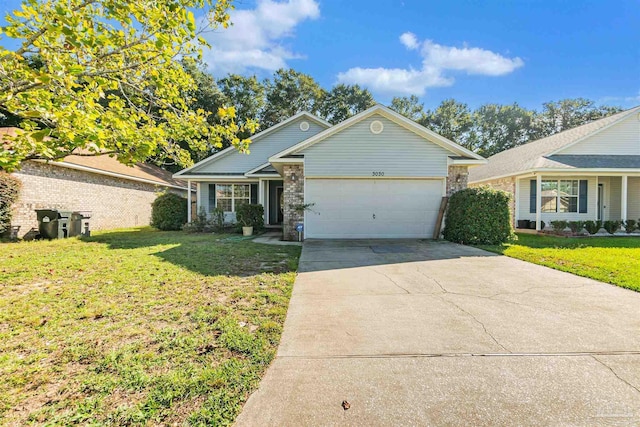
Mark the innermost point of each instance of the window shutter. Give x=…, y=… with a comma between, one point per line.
x=212, y=197
x=532, y=196
x=583, y=196
x=254, y=194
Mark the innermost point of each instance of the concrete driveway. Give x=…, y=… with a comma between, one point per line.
x=432, y=333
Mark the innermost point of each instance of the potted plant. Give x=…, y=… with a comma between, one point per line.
x=249, y=217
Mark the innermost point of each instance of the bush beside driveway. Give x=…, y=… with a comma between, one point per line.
x=614, y=260
x=138, y=327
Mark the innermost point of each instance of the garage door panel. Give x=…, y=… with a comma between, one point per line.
x=361, y=208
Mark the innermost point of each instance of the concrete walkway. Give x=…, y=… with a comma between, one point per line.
x=432, y=333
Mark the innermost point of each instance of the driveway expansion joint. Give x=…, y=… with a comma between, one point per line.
x=591, y=354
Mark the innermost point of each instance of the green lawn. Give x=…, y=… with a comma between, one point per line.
x=138, y=327
x=614, y=260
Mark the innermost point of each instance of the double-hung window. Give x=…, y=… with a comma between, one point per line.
x=230, y=196
x=560, y=195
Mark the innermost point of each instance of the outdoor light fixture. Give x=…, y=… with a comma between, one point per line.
x=459, y=178
x=293, y=177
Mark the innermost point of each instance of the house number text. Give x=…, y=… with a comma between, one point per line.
x=378, y=173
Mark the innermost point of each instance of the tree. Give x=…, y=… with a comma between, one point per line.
x=568, y=113
x=410, y=107
x=108, y=81
x=344, y=101
x=452, y=119
x=289, y=93
x=499, y=127
x=246, y=94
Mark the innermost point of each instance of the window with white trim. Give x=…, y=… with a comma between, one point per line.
x=560, y=195
x=230, y=196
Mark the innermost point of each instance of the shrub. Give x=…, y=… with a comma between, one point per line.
x=248, y=215
x=479, y=216
x=593, y=226
x=217, y=219
x=9, y=192
x=169, y=212
x=630, y=225
x=199, y=224
x=559, y=226
x=576, y=226
x=611, y=226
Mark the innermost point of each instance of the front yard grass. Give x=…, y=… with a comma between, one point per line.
x=614, y=260
x=138, y=327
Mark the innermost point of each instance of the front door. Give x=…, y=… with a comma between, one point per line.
x=600, y=201
x=280, y=204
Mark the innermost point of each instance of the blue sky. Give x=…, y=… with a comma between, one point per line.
x=525, y=51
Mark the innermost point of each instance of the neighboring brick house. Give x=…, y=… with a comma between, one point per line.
x=374, y=175
x=117, y=195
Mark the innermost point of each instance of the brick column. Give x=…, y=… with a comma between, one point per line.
x=293, y=195
x=457, y=179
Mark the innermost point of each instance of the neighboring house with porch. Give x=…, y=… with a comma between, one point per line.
x=375, y=175
x=591, y=172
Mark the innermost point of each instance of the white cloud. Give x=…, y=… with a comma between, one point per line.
x=254, y=41
x=436, y=61
x=409, y=40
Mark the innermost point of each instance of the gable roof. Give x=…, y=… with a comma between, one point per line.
x=394, y=117
x=110, y=166
x=542, y=153
x=254, y=138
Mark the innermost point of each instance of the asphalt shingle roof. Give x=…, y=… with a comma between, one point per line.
x=533, y=155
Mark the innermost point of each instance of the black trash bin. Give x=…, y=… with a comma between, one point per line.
x=53, y=224
x=80, y=224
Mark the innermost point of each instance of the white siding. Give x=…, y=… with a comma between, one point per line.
x=613, y=211
x=619, y=139
x=633, y=197
x=356, y=152
x=261, y=149
x=567, y=216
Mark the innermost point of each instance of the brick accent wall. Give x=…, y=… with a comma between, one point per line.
x=114, y=202
x=457, y=179
x=508, y=185
x=293, y=195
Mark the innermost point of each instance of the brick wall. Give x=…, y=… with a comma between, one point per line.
x=457, y=179
x=114, y=202
x=293, y=195
x=505, y=184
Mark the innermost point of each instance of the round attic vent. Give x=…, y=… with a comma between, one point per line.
x=304, y=126
x=376, y=127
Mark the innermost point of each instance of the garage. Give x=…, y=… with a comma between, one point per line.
x=372, y=208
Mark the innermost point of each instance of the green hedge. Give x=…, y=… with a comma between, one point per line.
x=169, y=212
x=9, y=192
x=479, y=216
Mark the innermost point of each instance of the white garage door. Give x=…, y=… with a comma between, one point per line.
x=372, y=208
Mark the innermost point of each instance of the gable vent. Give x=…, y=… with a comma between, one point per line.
x=376, y=127
x=304, y=126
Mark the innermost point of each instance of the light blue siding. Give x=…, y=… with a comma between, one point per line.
x=357, y=152
x=261, y=149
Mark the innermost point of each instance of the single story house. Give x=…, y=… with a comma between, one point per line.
x=591, y=172
x=375, y=175
x=117, y=195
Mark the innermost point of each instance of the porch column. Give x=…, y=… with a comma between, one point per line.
x=261, y=199
x=198, y=196
x=516, y=195
x=188, y=200
x=597, y=200
x=623, y=204
x=538, y=201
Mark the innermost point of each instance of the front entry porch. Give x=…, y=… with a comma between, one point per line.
x=543, y=198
